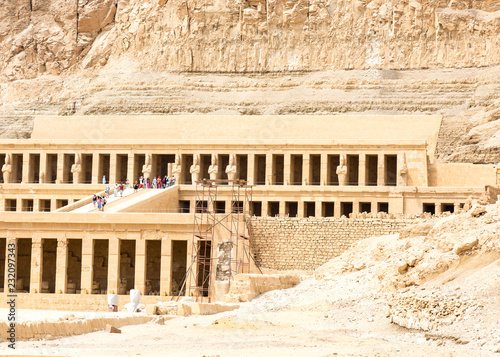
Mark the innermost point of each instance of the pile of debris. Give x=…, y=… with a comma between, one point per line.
x=423, y=309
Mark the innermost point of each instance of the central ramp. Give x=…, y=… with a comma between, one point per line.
x=147, y=201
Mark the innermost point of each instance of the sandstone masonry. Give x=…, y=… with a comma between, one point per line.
x=307, y=243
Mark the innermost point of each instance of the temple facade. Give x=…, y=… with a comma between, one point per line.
x=297, y=166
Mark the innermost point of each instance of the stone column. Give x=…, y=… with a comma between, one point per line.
x=300, y=209
x=53, y=205
x=282, y=209
x=112, y=169
x=95, y=169
x=438, y=209
x=287, y=177
x=306, y=169
x=60, y=167
x=165, y=268
x=140, y=265
x=318, y=208
x=251, y=169
x=87, y=265
x=189, y=257
x=264, y=210
x=355, y=206
x=228, y=206
x=336, y=209
x=36, y=266
x=36, y=205
x=401, y=170
x=131, y=169
x=362, y=170
x=26, y=168
x=43, y=167
x=61, y=265
x=381, y=170
x=456, y=207
x=324, y=169
x=270, y=179
x=114, y=265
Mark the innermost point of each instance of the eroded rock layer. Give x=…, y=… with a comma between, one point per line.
x=38, y=36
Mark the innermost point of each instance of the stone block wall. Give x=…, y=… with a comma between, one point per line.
x=307, y=243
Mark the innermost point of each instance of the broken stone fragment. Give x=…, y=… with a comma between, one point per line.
x=478, y=211
x=465, y=245
x=112, y=329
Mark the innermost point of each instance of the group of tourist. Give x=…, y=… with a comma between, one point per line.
x=166, y=182
x=99, y=202
x=157, y=182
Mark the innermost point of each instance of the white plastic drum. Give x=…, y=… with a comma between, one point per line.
x=135, y=295
x=112, y=299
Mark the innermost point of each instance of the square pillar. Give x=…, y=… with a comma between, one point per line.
x=130, y=170
x=355, y=207
x=60, y=167
x=95, y=168
x=336, y=209
x=87, y=263
x=189, y=258
x=300, y=209
x=61, y=266
x=26, y=168
x=166, y=267
x=362, y=170
x=251, y=169
x=401, y=180
x=306, y=169
x=264, y=208
x=282, y=209
x=317, y=208
x=287, y=179
x=36, y=205
x=36, y=266
x=228, y=206
x=269, y=169
x=381, y=170
x=113, y=265
x=112, y=169
x=53, y=205
x=43, y=165
x=140, y=265
x=324, y=169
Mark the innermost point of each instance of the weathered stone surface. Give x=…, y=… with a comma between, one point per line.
x=307, y=243
x=245, y=287
x=246, y=36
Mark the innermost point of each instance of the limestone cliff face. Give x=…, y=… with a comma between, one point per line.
x=55, y=36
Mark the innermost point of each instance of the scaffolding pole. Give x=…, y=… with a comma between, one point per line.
x=210, y=229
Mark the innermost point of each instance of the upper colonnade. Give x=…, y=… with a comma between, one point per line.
x=265, y=150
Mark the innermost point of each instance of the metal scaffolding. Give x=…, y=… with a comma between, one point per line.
x=214, y=227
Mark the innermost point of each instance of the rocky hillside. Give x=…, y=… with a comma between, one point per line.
x=272, y=56
x=440, y=276
x=38, y=36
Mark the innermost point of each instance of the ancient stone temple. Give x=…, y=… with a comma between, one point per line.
x=298, y=166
